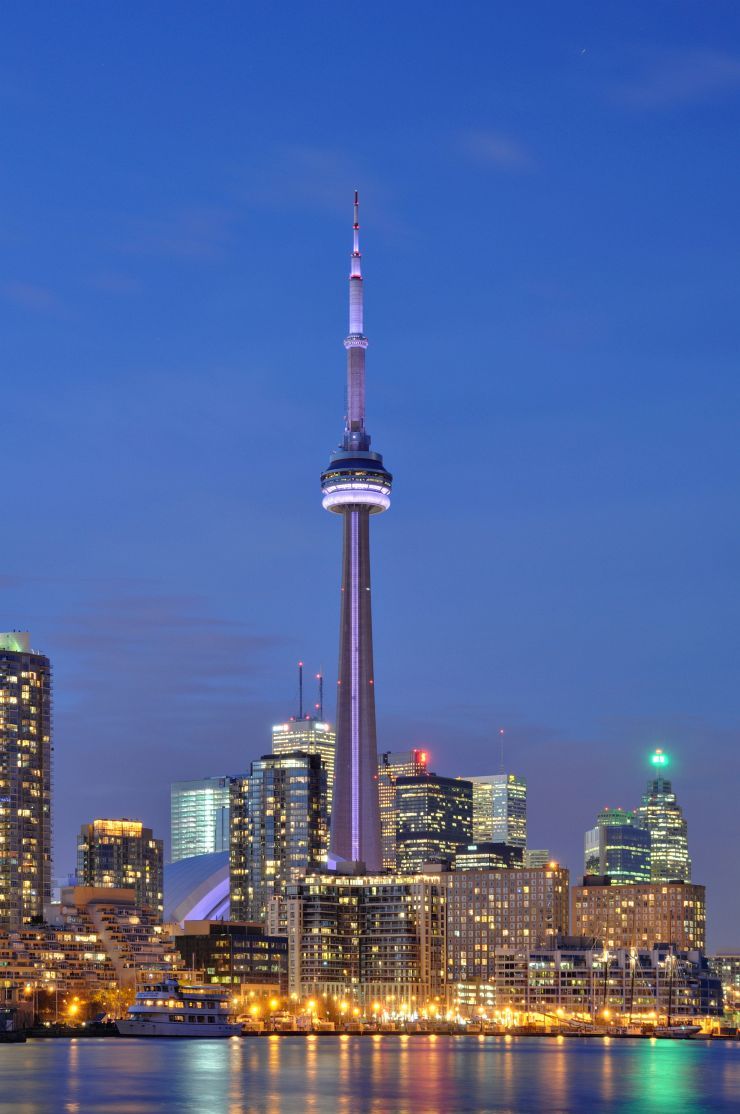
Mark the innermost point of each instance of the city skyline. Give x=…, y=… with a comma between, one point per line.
x=592, y=590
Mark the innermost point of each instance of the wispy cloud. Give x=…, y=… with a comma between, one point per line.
x=314, y=178
x=676, y=78
x=113, y=282
x=31, y=296
x=190, y=233
x=498, y=150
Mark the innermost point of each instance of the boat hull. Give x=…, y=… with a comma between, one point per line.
x=178, y=1030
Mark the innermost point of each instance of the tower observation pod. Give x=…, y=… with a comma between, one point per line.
x=355, y=485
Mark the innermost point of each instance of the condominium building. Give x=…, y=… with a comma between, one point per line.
x=368, y=937
x=640, y=914
x=199, y=817
x=25, y=781
x=100, y=939
x=122, y=854
x=391, y=766
x=500, y=809
x=434, y=819
x=279, y=829
x=492, y=909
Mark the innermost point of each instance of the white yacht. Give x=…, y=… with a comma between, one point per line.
x=167, y=1009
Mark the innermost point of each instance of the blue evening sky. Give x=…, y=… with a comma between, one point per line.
x=551, y=238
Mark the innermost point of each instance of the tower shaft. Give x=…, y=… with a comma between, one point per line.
x=355, y=828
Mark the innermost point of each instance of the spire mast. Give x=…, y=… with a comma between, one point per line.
x=356, y=343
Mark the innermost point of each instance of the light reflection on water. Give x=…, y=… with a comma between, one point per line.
x=377, y=1075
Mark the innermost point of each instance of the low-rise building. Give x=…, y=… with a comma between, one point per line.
x=236, y=954
x=573, y=978
x=101, y=938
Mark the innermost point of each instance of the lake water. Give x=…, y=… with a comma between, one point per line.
x=378, y=1074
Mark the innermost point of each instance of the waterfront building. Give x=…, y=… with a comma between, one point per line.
x=500, y=809
x=199, y=817
x=312, y=736
x=536, y=856
x=99, y=939
x=617, y=847
x=661, y=814
x=434, y=818
x=368, y=938
x=640, y=914
x=235, y=954
x=573, y=978
x=391, y=766
x=279, y=829
x=25, y=781
x=488, y=856
x=123, y=854
x=492, y=909
x=726, y=967
x=355, y=485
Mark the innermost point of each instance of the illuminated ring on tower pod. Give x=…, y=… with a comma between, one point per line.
x=346, y=495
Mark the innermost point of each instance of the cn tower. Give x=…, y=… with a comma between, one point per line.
x=355, y=485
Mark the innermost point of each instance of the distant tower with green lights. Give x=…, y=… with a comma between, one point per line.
x=661, y=814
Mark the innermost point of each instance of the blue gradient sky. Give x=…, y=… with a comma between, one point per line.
x=550, y=234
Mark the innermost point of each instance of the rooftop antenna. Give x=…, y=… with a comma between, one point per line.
x=501, y=740
x=320, y=705
x=300, y=690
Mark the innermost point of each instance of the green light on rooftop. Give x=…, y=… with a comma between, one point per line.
x=659, y=758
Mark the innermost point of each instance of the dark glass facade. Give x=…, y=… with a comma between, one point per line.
x=435, y=816
x=235, y=954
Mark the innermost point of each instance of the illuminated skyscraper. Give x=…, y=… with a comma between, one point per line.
x=355, y=485
x=278, y=829
x=391, y=766
x=312, y=737
x=122, y=854
x=663, y=817
x=25, y=781
x=435, y=818
x=616, y=847
x=500, y=809
x=199, y=817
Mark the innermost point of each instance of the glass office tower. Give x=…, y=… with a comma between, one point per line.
x=661, y=814
x=617, y=847
x=391, y=766
x=199, y=817
x=500, y=809
x=435, y=818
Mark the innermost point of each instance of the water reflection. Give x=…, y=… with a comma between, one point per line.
x=381, y=1074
